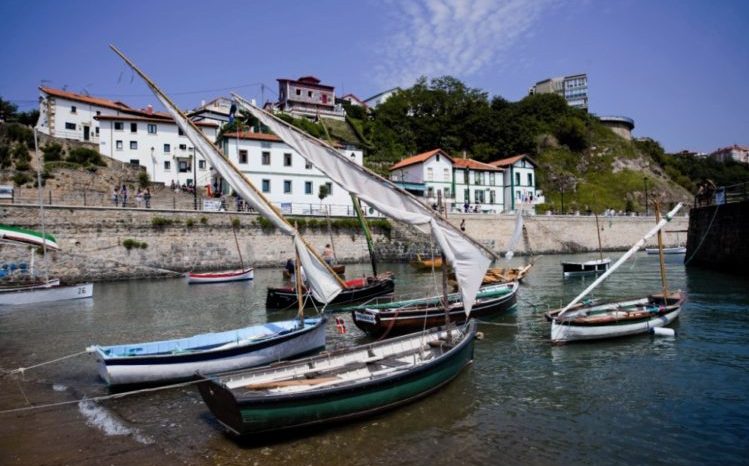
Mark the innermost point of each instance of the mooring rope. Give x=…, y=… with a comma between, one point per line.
x=21, y=370
x=101, y=398
x=715, y=214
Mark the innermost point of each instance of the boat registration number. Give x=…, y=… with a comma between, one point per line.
x=364, y=317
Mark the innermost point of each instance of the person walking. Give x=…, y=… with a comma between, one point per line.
x=123, y=195
x=147, y=198
x=115, y=196
x=139, y=199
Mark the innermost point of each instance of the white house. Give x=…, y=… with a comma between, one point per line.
x=435, y=174
x=68, y=115
x=284, y=177
x=519, y=182
x=216, y=111
x=378, y=99
x=155, y=142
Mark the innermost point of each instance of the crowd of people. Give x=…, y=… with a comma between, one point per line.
x=120, y=197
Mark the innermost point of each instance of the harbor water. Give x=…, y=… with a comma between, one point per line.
x=636, y=400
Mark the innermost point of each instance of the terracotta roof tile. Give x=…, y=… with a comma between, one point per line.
x=511, y=160
x=86, y=99
x=418, y=158
x=474, y=165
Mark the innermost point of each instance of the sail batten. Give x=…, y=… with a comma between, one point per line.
x=322, y=283
x=469, y=258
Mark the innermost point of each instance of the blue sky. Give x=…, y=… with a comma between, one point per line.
x=679, y=68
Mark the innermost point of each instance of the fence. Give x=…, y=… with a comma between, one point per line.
x=723, y=195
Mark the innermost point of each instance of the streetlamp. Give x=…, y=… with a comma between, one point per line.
x=153, y=166
x=647, y=211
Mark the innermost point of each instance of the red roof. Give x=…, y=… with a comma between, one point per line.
x=253, y=136
x=86, y=99
x=418, y=158
x=511, y=161
x=475, y=165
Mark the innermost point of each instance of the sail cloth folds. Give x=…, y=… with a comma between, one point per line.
x=466, y=256
x=320, y=281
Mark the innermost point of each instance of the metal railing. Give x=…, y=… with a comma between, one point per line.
x=723, y=195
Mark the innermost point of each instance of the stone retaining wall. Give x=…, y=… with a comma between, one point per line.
x=91, y=239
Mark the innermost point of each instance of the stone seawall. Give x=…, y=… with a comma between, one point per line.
x=93, y=239
x=717, y=237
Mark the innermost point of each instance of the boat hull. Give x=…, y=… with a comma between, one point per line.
x=281, y=298
x=259, y=413
x=675, y=250
x=41, y=294
x=221, y=277
x=571, y=269
x=403, y=317
x=613, y=320
x=182, y=365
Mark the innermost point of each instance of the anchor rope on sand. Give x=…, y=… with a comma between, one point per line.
x=21, y=370
x=100, y=398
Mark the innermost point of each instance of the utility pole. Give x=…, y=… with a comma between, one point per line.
x=195, y=179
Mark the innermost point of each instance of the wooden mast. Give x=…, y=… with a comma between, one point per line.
x=367, y=233
x=445, y=299
x=298, y=286
x=236, y=241
x=598, y=230
x=661, y=260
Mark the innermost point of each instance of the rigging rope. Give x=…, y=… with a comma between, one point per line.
x=715, y=214
x=21, y=370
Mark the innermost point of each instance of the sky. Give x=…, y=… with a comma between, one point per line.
x=679, y=68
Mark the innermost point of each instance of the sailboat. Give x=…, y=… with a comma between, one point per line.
x=243, y=274
x=596, y=320
x=365, y=379
x=177, y=359
x=45, y=289
x=594, y=266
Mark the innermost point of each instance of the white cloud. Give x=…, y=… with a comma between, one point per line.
x=452, y=37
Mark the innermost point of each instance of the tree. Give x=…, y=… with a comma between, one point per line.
x=322, y=193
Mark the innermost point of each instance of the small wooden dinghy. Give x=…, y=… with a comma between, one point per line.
x=221, y=277
x=426, y=264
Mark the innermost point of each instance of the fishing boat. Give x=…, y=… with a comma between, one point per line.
x=20, y=235
x=600, y=265
x=339, y=385
x=400, y=317
x=221, y=277
x=581, y=320
x=164, y=361
x=179, y=359
x=572, y=268
x=340, y=269
x=673, y=250
x=355, y=290
x=435, y=263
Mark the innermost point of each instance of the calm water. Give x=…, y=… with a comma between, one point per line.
x=629, y=401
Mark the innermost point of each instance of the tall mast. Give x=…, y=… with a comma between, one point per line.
x=598, y=231
x=40, y=162
x=367, y=233
x=664, y=281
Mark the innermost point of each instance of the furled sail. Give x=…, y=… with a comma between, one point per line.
x=468, y=258
x=323, y=284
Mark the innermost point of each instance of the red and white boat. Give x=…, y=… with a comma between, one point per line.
x=221, y=277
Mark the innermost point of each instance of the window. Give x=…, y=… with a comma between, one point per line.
x=72, y=109
x=201, y=164
x=167, y=148
x=118, y=145
x=180, y=132
x=151, y=128
x=309, y=93
x=479, y=197
x=465, y=177
x=287, y=159
x=491, y=179
x=438, y=157
x=133, y=127
x=183, y=147
x=430, y=174
x=308, y=165
x=134, y=145
x=446, y=174
x=330, y=188
x=530, y=179
x=266, y=186
x=134, y=162
x=492, y=198
x=517, y=179
x=266, y=158
x=183, y=166
x=70, y=126
x=98, y=112
x=119, y=126
x=97, y=131
x=447, y=193
x=307, y=187
x=242, y=156
x=298, y=92
x=467, y=195
x=167, y=165
x=287, y=186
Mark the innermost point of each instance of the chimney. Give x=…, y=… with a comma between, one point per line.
x=149, y=109
x=464, y=155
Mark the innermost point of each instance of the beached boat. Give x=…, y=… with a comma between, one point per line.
x=48, y=291
x=221, y=277
x=163, y=361
x=339, y=385
x=614, y=319
x=400, y=317
x=179, y=359
x=359, y=289
x=596, y=320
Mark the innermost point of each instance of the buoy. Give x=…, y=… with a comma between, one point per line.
x=663, y=332
x=479, y=335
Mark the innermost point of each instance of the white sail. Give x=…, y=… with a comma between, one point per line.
x=322, y=283
x=515, y=235
x=468, y=258
x=626, y=256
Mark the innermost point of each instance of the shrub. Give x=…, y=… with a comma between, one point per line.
x=189, y=223
x=85, y=156
x=21, y=178
x=130, y=243
x=203, y=221
x=161, y=222
x=143, y=180
x=53, y=152
x=235, y=223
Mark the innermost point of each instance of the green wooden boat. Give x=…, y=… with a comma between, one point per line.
x=24, y=235
x=339, y=385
